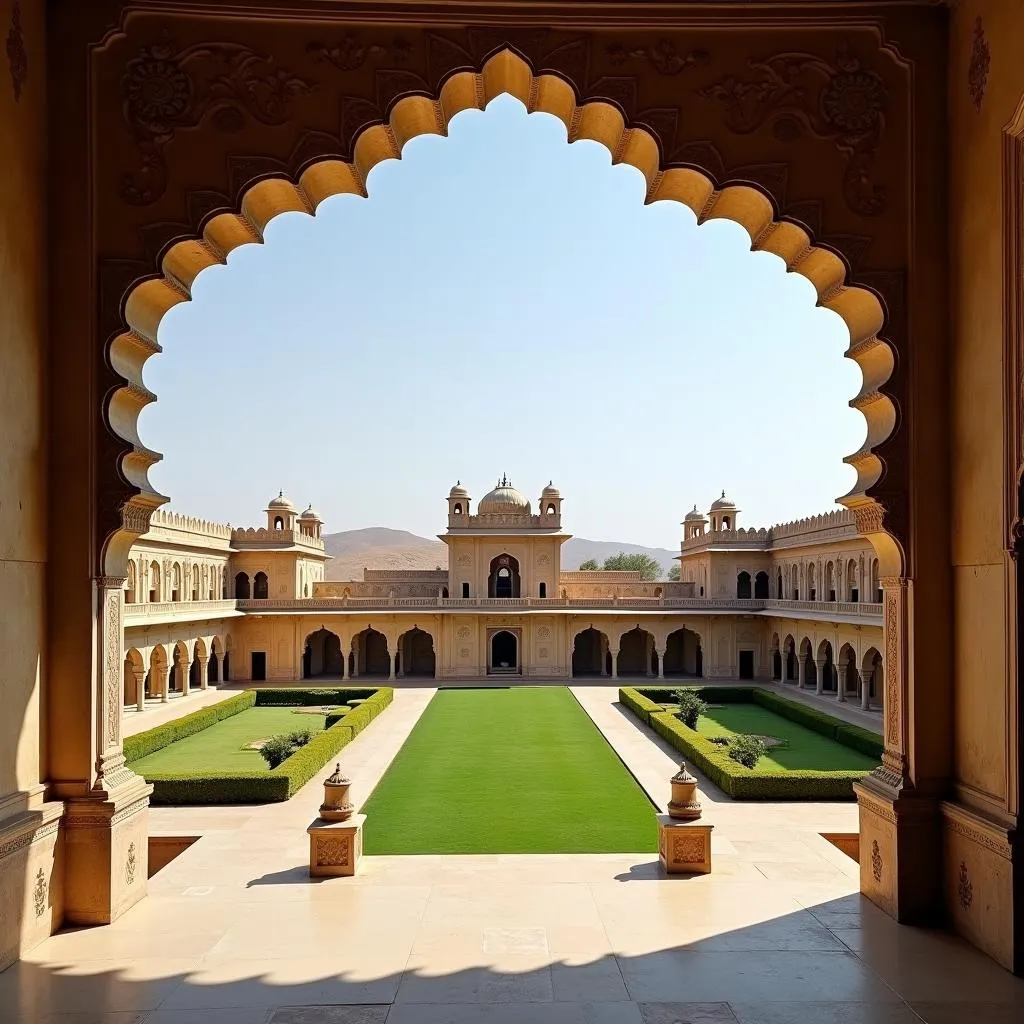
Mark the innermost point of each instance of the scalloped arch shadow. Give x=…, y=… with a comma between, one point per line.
x=411, y=116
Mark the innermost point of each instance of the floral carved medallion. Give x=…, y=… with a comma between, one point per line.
x=965, y=889
x=876, y=862
x=688, y=849
x=39, y=893
x=793, y=93
x=166, y=88
x=17, y=57
x=333, y=852
x=981, y=60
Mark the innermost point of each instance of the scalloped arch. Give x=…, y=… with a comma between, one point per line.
x=412, y=116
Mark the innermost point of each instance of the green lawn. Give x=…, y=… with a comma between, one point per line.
x=521, y=770
x=220, y=747
x=807, y=749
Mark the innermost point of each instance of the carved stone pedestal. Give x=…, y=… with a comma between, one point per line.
x=335, y=847
x=684, y=847
x=107, y=850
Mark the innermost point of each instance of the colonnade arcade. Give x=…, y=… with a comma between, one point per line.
x=176, y=667
x=369, y=654
x=850, y=676
x=636, y=652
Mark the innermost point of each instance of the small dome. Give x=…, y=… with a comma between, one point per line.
x=722, y=503
x=311, y=513
x=458, y=491
x=551, y=491
x=281, y=502
x=504, y=499
x=693, y=516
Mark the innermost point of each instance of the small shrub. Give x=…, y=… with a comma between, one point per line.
x=276, y=750
x=722, y=741
x=691, y=707
x=299, y=738
x=747, y=750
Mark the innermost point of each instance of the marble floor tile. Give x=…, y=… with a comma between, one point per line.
x=829, y=1013
x=531, y=1013
x=576, y=979
x=687, y=1013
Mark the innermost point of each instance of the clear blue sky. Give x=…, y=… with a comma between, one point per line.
x=503, y=302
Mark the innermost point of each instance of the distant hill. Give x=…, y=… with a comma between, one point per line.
x=380, y=548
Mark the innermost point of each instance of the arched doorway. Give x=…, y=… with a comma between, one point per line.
x=321, y=655
x=370, y=655
x=241, y=586
x=134, y=679
x=503, y=580
x=637, y=656
x=810, y=678
x=504, y=652
x=260, y=586
x=213, y=669
x=158, y=674
x=682, y=653
x=589, y=653
x=416, y=655
x=197, y=668
x=776, y=652
x=826, y=659
x=761, y=586
x=743, y=585
x=790, y=658
x=849, y=678
x=872, y=678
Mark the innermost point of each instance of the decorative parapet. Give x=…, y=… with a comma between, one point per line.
x=505, y=521
x=158, y=612
x=405, y=575
x=261, y=537
x=388, y=588
x=600, y=576
x=827, y=528
x=166, y=520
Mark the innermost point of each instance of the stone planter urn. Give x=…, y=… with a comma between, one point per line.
x=684, y=805
x=336, y=805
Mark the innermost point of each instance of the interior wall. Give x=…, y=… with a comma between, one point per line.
x=23, y=546
x=985, y=91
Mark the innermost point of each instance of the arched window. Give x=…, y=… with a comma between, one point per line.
x=305, y=590
x=761, y=585
x=852, y=587
x=543, y=590
x=465, y=590
x=457, y=510
x=444, y=593
x=278, y=523
x=779, y=592
x=503, y=580
x=176, y=582
x=876, y=586
x=241, y=586
x=154, y=582
x=743, y=585
x=260, y=588
x=131, y=595
x=551, y=510
x=195, y=581
x=725, y=522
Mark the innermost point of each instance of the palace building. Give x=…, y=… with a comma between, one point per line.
x=798, y=603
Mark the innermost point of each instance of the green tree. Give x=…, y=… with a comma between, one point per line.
x=648, y=568
x=673, y=574
x=590, y=565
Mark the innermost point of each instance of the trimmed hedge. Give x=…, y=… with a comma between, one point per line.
x=753, y=783
x=853, y=736
x=284, y=696
x=143, y=743
x=288, y=777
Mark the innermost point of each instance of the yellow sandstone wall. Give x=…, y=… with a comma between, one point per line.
x=986, y=89
x=30, y=889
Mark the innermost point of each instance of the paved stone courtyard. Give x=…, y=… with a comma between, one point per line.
x=235, y=932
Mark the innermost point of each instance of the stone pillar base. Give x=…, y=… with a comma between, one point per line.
x=31, y=879
x=107, y=849
x=335, y=847
x=899, y=837
x=684, y=847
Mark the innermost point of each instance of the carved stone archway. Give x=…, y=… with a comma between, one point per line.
x=195, y=132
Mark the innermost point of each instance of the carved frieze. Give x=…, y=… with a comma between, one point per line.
x=17, y=56
x=876, y=861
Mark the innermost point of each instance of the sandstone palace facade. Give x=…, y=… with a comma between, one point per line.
x=798, y=603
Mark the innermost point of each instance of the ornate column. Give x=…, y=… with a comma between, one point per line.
x=393, y=653
x=184, y=673
x=204, y=673
x=614, y=652
x=604, y=655
x=801, y=671
x=661, y=661
x=344, y=658
x=841, y=686
x=140, y=688
x=819, y=682
x=865, y=689
x=106, y=820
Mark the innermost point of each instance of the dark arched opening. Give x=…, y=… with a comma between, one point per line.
x=322, y=655
x=761, y=586
x=416, y=653
x=681, y=653
x=504, y=652
x=503, y=580
x=241, y=586
x=636, y=654
x=743, y=585
x=370, y=654
x=260, y=587
x=589, y=653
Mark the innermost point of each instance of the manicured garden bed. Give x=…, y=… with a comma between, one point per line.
x=202, y=758
x=819, y=757
x=519, y=770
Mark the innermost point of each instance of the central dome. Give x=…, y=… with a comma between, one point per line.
x=504, y=499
